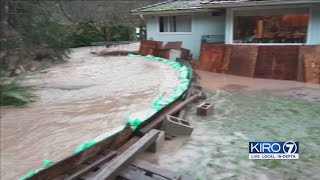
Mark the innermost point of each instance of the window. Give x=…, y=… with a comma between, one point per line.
x=175, y=23
x=272, y=26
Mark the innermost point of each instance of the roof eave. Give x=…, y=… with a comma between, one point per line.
x=258, y=3
x=178, y=11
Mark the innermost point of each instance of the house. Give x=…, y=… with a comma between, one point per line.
x=275, y=39
x=233, y=22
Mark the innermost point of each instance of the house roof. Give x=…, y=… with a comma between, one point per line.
x=171, y=5
x=201, y=5
x=246, y=3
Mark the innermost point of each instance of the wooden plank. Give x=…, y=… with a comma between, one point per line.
x=309, y=64
x=226, y=59
x=114, y=167
x=277, y=62
x=185, y=54
x=147, y=47
x=90, y=167
x=129, y=143
x=243, y=60
x=74, y=161
x=211, y=57
x=184, y=103
x=154, y=169
x=264, y=62
x=286, y=63
x=173, y=45
x=122, y=138
x=182, y=113
x=164, y=53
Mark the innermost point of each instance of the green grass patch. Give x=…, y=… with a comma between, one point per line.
x=12, y=93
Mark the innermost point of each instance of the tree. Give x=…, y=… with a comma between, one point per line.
x=4, y=7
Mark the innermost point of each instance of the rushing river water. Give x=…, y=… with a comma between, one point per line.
x=246, y=110
x=77, y=101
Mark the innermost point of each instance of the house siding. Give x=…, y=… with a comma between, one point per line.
x=229, y=26
x=314, y=26
x=201, y=24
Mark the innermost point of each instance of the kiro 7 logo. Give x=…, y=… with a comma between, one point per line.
x=290, y=147
x=274, y=150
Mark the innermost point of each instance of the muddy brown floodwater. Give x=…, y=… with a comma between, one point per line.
x=78, y=101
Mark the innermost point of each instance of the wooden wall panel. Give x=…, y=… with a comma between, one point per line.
x=300, y=69
x=185, y=54
x=211, y=57
x=226, y=59
x=309, y=64
x=285, y=64
x=277, y=62
x=173, y=45
x=243, y=60
x=264, y=62
x=147, y=47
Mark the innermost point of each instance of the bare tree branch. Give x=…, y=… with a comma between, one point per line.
x=68, y=16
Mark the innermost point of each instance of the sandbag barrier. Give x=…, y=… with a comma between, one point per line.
x=134, y=120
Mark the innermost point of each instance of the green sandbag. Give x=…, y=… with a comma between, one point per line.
x=137, y=118
x=84, y=146
x=156, y=105
x=31, y=173
x=133, y=55
x=98, y=139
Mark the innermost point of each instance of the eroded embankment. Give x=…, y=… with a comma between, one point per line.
x=78, y=101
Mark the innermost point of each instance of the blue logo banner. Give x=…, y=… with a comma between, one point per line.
x=274, y=150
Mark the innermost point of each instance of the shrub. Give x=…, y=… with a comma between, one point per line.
x=12, y=93
x=86, y=33
x=121, y=32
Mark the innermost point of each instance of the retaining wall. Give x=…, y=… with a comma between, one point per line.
x=285, y=62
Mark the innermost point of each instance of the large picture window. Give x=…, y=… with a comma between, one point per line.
x=271, y=27
x=175, y=23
